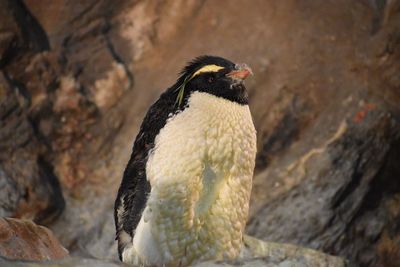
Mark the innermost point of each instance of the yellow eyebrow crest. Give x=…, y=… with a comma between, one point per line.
x=207, y=68
x=181, y=88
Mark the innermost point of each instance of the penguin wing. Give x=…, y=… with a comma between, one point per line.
x=135, y=188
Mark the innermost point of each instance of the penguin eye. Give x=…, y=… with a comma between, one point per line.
x=210, y=79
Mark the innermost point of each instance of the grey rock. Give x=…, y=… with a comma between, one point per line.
x=67, y=262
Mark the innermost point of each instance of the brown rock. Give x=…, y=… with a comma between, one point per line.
x=22, y=239
x=28, y=187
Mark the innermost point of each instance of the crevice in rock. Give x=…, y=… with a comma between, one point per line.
x=118, y=59
x=346, y=190
x=57, y=202
x=34, y=37
x=386, y=182
x=19, y=89
x=8, y=48
x=284, y=134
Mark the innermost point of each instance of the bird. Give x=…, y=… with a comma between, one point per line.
x=185, y=193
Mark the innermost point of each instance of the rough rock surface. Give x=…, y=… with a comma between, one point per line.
x=255, y=253
x=28, y=186
x=76, y=79
x=67, y=262
x=351, y=194
x=22, y=239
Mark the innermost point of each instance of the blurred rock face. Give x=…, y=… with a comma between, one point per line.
x=29, y=187
x=76, y=79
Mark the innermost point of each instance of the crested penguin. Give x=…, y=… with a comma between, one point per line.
x=184, y=195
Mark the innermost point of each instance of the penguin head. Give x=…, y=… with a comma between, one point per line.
x=213, y=75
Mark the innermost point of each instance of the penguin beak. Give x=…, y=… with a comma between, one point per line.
x=240, y=73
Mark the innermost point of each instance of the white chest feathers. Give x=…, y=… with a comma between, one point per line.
x=200, y=171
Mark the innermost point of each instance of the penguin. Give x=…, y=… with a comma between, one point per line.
x=184, y=195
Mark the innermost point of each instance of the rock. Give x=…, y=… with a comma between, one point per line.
x=28, y=186
x=335, y=205
x=255, y=253
x=288, y=255
x=67, y=262
x=23, y=240
x=260, y=253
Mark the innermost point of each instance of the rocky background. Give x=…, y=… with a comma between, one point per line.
x=78, y=76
